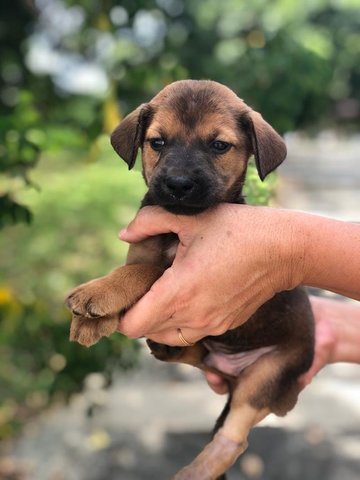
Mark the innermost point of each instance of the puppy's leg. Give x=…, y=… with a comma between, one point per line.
x=256, y=394
x=193, y=355
x=226, y=446
x=96, y=304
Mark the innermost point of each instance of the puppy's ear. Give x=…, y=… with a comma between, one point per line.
x=129, y=135
x=268, y=147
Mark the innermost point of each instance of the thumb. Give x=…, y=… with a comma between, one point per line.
x=151, y=221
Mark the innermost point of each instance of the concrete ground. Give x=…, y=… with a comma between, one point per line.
x=153, y=421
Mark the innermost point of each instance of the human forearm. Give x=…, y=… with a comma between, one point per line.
x=330, y=252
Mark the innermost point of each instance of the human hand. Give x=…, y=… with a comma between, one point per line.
x=327, y=313
x=230, y=260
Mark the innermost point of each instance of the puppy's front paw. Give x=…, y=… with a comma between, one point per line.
x=96, y=305
x=95, y=299
x=109, y=295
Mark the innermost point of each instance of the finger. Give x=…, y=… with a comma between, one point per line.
x=306, y=378
x=216, y=383
x=150, y=221
x=175, y=338
x=152, y=312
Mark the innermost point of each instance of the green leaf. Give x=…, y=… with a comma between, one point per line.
x=12, y=212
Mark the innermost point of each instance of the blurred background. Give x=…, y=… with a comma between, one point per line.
x=69, y=71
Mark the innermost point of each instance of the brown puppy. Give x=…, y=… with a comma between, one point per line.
x=196, y=138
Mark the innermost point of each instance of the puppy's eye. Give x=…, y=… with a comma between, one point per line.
x=220, y=147
x=157, y=144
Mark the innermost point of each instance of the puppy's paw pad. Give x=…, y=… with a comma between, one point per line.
x=87, y=331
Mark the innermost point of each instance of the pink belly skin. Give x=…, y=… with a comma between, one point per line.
x=234, y=363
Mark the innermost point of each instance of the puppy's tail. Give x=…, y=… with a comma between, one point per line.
x=220, y=422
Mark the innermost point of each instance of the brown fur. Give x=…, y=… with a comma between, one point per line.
x=189, y=116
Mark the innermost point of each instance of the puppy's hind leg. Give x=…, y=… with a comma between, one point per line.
x=226, y=446
x=255, y=395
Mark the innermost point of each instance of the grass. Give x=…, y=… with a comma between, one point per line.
x=77, y=213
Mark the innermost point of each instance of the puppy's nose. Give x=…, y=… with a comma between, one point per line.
x=180, y=185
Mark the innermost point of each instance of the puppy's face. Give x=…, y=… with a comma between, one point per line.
x=196, y=138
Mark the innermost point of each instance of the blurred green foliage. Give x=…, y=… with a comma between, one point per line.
x=72, y=238
x=38, y=362
x=67, y=70
x=296, y=62
x=73, y=235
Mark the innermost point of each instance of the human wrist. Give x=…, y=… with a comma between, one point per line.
x=331, y=254
x=300, y=259
x=288, y=270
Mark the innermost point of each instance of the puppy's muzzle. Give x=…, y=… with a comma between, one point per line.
x=182, y=193
x=179, y=186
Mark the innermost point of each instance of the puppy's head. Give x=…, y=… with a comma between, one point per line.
x=196, y=138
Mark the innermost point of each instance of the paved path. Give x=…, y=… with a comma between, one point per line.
x=152, y=422
x=322, y=176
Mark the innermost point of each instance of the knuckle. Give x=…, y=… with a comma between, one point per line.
x=200, y=324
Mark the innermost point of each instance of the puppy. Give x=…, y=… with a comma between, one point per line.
x=196, y=138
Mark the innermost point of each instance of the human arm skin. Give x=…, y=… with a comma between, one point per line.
x=337, y=339
x=233, y=258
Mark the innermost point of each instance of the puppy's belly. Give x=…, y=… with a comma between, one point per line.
x=233, y=363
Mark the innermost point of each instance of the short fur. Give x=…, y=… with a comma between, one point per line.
x=186, y=176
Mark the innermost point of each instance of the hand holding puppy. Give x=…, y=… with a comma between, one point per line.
x=206, y=297
x=259, y=251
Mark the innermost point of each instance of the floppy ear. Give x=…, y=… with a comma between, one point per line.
x=268, y=147
x=128, y=136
